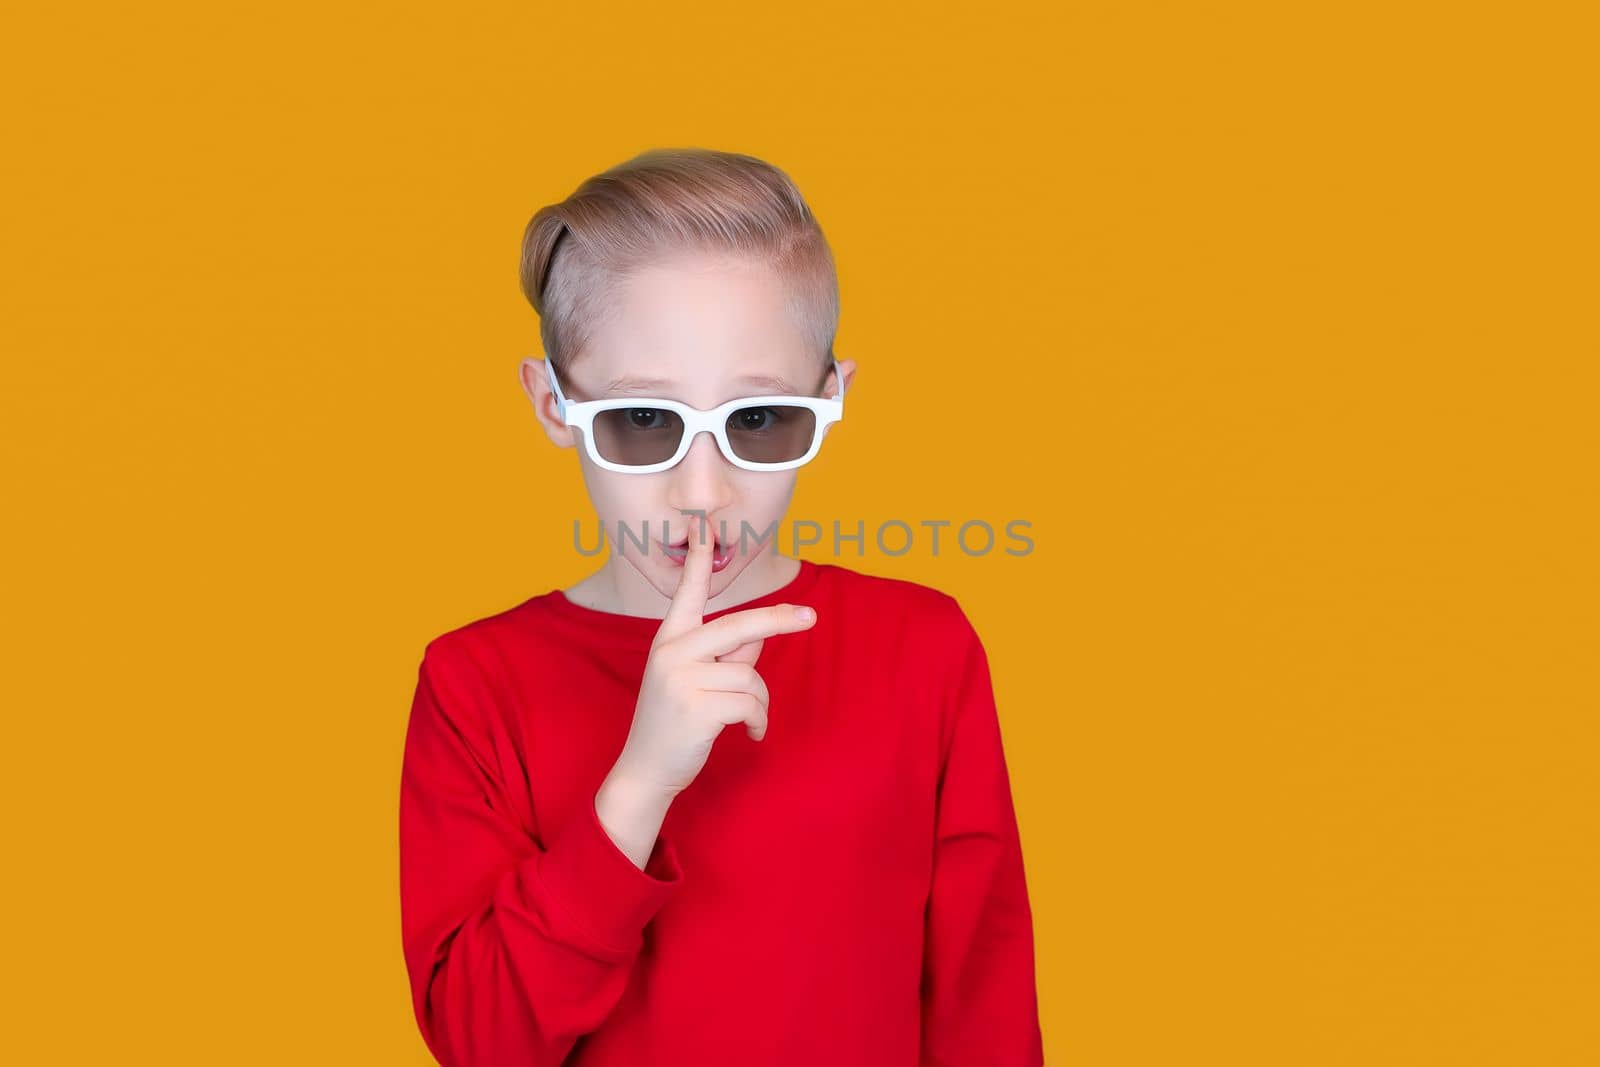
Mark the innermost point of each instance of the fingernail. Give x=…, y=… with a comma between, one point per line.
x=804, y=614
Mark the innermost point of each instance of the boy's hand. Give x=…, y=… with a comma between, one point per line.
x=699, y=678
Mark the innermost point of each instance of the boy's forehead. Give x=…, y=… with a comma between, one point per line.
x=700, y=331
x=702, y=379
x=642, y=383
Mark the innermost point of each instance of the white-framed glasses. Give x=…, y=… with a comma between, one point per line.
x=641, y=435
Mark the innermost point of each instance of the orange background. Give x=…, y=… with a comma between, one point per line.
x=1276, y=321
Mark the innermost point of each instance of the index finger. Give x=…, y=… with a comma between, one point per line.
x=688, y=605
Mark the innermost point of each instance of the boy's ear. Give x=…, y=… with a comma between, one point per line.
x=536, y=383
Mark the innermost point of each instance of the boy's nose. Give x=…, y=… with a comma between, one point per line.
x=701, y=482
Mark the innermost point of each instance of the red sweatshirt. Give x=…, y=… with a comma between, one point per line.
x=847, y=891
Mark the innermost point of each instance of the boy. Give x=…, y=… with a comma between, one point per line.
x=592, y=872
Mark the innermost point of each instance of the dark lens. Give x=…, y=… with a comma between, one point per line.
x=637, y=437
x=772, y=433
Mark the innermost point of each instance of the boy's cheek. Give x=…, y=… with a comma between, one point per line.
x=619, y=496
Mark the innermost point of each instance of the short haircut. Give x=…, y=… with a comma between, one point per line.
x=661, y=203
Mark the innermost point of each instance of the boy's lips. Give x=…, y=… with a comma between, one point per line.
x=721, y=554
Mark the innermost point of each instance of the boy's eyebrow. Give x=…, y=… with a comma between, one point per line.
x=634, y=384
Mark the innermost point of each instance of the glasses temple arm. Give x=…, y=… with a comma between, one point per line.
x=555, y=386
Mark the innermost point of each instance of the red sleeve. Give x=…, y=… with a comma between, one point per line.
x=515, y=947
x=979, y=999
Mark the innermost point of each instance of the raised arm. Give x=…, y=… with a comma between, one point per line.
x=516, y=944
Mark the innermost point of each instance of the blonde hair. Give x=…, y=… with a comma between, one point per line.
x=665, y=201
